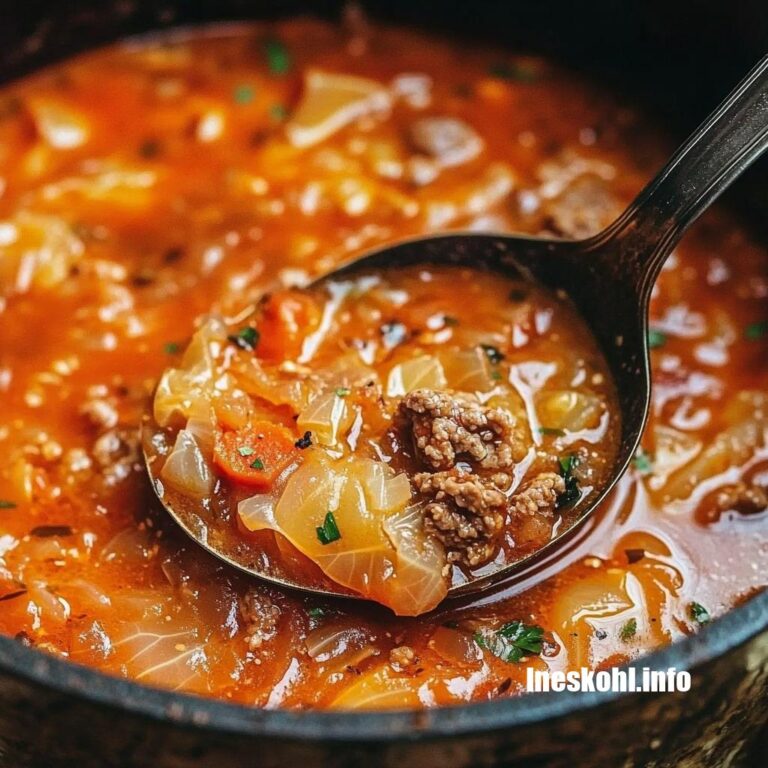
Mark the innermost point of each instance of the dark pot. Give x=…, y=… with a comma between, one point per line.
x=57, y=714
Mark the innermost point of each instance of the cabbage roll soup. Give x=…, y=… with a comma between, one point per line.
x=165, y=206
x=387, y=427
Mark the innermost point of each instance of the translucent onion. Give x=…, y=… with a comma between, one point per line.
x=132, y=546
x=672, y=450
x=330, y=101
x=186, y=392
x=257, y=512
x=424, y=371
x=381, y=688
x=569, y=410
x=455, y=646
x=730, y=448
x=334, y=639
x=384, y=556
x=384, y=490
x=468, y=370
x=186, y=469
x=327, y=417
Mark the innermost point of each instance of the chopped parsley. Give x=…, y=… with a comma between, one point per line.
x=278, y=112
x=643, y=462
x=554, y=432
x=512, y=641
x=520, y=72
x=656, y=338
x=572, y=492
x=246, y=338
x=6, y=504
x=278, y=58
x=172, y=348
x=243, y=94
x=629, y=630
x=450, y=320
x=755, y=331
x=492, y=353
x=328, y=532
x=257, y=463
x=245, y=450
x=496, y=375
x=698, y=613
x=316, y=612
x=342, y=391
x=305, y=441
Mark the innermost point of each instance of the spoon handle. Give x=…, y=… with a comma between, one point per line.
x=728, y=141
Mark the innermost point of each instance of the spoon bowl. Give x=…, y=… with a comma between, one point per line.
x=608, y=278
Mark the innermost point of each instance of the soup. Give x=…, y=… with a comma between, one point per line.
x=149, y=187
x=442, y=418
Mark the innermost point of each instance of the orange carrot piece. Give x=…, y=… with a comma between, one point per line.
x=255, y=455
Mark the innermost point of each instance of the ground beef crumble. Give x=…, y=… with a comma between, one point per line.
x=260, y=616
x=402, y=658
x=539, y=497
x=447, y=426
x=466, y=514
x=467, y=509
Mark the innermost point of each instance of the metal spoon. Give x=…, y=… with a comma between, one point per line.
x=609, y=278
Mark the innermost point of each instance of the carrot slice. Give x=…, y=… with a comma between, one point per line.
x=287, y=317
x=255, y=455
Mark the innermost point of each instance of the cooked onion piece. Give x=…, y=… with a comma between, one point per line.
x=352, y=519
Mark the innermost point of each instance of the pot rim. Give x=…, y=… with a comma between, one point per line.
x=724, y=634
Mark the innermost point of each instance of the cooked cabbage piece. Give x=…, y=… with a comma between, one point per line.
x=353, y=518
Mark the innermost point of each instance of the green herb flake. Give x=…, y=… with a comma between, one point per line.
x=6, y=504
x=278, y=58
x=698, y=613
x=342, y=391
x=243, y=94
x=492, y=353
x=552, y=431
x=656, y=338
x=756, y=331
x=172, y=348
x=316, y=612
x=521, y=72
x=518, y=294
x=450, y=320
x=496, y=375
x=245, y=450
x=246, y=338
x=278, y=112
x=643, y=462
x=512, y=641
x=572, y=492
x=328, y=532
x=257, y=463
x=629, y=630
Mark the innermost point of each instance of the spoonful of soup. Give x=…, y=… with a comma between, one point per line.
x=429, y=418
